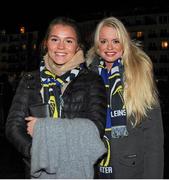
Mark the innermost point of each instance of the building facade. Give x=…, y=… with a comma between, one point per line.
x=17, y=51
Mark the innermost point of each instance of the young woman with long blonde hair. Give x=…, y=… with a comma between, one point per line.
x=134, y=130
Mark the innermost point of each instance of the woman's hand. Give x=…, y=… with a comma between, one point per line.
x=30, y=124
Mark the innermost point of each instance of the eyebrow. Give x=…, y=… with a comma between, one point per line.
x=106, y=38
x=64, y=37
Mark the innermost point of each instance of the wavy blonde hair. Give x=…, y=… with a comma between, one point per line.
x=140, y=92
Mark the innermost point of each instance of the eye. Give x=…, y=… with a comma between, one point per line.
x=54, y=39
x=69, y=41
x=116, y=41
x=103, y=41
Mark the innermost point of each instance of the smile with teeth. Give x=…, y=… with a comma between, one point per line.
x=60, y=54
x=110, y=53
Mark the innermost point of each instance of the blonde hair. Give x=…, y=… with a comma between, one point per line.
x=140, y=93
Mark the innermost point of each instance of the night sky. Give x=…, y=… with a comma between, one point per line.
x=37, y=16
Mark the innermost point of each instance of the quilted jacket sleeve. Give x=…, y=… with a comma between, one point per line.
x=97, y=104
x=16, y=126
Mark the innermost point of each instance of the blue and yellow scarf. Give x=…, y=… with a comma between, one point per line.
x=116, y=112
x=52, y=85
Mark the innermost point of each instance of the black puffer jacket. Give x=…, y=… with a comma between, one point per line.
x=84, y=97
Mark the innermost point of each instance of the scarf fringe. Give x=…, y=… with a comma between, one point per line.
x=119, y=131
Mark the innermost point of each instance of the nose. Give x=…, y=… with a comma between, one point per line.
x=61, y=45
x=109, y=46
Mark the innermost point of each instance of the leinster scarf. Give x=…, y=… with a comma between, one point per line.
x=52, y=85
x=116, y=112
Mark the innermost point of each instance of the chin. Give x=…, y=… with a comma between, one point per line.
x=59, y=63
x=109, y=60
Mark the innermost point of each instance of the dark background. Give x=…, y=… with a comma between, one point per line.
x=37, y=17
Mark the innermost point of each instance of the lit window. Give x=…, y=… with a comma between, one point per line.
x=34, y=46
x=24, y=46
x=22, y=30
x=139, y=34
x=164, y=44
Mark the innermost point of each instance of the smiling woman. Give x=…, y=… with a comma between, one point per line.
x=134, y=128
x=61, y=44
x=64, y=88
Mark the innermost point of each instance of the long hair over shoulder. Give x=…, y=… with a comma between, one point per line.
x=140, y=92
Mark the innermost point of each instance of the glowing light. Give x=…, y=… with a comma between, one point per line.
x=139, y=34
x=164, y=44
x=22, y=30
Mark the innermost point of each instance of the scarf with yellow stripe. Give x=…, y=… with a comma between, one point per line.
x=52, y=85
x=116, y=112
